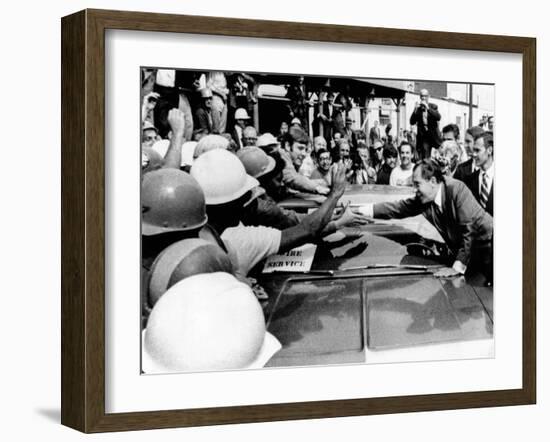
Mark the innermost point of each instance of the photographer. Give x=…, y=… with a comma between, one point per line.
x=426, y=117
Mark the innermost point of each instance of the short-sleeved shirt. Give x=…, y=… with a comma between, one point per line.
x=400, y=177
x=248, y=245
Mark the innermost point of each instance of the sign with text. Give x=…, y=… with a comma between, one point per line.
x=295, y=260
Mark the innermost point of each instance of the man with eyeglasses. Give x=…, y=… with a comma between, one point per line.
x=203, y=115
x=323, y=161
x=426, y=118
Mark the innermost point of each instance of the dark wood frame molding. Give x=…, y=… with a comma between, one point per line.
x=83, y=217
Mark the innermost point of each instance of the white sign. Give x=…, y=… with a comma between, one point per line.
x=295, y=260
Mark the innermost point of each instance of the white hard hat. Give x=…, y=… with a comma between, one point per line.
x=205, y=322
x=210, y=142
x=241, y=114
x=266, y=140
x=187, y=152
x=206, y=93
x=221, y=176
x=161, y=146
x=256, y=162
x=296, y=121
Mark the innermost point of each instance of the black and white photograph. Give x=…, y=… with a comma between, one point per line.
x=294, y=220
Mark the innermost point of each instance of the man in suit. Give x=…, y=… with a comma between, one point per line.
x=481, y=181
x=449, y=205
x=241, y=121
x=374, y=134
x=349, y=134
x=465, y=169
x=426, y=117
x=330, y=116
x=203, y=114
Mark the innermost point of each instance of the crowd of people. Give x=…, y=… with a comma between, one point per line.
x=211, y=184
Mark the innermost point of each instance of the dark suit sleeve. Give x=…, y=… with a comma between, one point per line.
x=202, y=120
x=398, y=209
x=469, y=217
x=414, y=117
x=432, y=110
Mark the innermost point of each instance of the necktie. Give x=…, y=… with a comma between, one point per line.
x=484, y=194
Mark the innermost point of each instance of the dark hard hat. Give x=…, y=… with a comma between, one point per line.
x=256, y=162
x=183, y=259
x=171, y=200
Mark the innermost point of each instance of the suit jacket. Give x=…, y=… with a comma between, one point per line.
x=462, y=223
x=236, y=138
x=350, y=136
x=203, y=120
x=472, y=182
x=431, y=133
x=463, y=171
x=336, y=123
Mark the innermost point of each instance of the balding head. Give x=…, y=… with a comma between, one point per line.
x=250, y=136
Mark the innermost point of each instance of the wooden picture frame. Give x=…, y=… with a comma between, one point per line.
x=83, y=220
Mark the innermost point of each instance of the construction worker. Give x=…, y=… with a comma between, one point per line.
x=150, y=160
x=182, y=259
x=241, y=121
x=227, y=189
x=207, y=322
x=210, y=142
x=263, y=211
x=173, y=208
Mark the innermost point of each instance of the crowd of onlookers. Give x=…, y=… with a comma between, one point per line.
x=211, y=183
x=219, y=103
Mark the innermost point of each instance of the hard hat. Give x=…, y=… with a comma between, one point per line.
x=182, y=259
x=150, y=160
x=222, y=176
x=161, y=146
x=205, y=322
x=241, y=114
x=171, y=200
x=296, y=121
x=147, y=125
x=256, y=162
x=266, y=140
x=206, y=93
x=210, y=142
x=187, y=152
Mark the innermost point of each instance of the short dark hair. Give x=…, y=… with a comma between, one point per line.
x=389, y=152
x=487, y=140
x=298, y=135
x=405, y=143
x=475, y=131
x=452, y=128
x=320, y=152
x=429, y=169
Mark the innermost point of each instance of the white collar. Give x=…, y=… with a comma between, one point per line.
x=438, y=197
x=490, y=171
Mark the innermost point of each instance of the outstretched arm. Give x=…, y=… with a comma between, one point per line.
x=314, y=224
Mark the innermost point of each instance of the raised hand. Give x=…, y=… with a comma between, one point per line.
x=176, y=120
